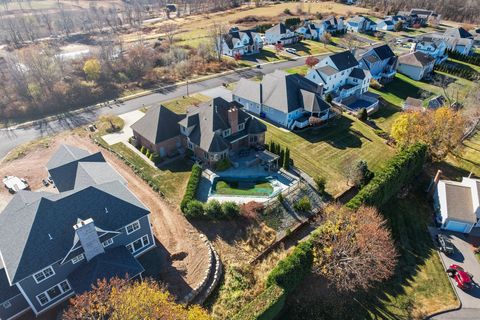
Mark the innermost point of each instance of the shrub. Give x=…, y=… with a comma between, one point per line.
x=266, y=306
x=321, y=182
x=399, y=170
x=192, y=186
x=143, y=150
x=303, y=205
x=287, y=11
x=230, y=209
x=213, y=208
x=223, y=165
x=148, y=153
x=280, y=197
x=290, y=271
x=251, y=209
x=362, y=114
x=194, y=209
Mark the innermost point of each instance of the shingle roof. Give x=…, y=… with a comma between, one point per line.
x=312, y=102
x=248, y=89
x=66, y=154
x=384, y=52
x=327, y=70
x=6, y=290
x=458, y=33
x=277, y=29
x=255, y=126
x=158, y=124
x=358, y=73
x=37, y=228
x=235, y=35
x=416, y=58
x=459, y=202
x=116, y=262
x=344, y=60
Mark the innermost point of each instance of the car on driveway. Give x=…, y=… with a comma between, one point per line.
x=444, y=244
x=463, y=279
x=291, y=50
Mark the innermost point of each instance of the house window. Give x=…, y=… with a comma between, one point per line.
x=205, y=155
x=44, y=274
x=107, y=242
x=6, y=304
x=132, y=227
x=190, y=145
x=138, y=244
x=78, y=258
x=53, y=293
x=241, y=126
x=226, y=133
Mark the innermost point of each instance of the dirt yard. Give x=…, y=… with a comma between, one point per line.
x=178, y=237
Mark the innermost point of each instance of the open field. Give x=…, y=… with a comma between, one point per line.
x=329, y=150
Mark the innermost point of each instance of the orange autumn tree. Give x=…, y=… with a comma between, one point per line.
x=120, y=299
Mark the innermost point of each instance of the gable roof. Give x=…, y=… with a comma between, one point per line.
x=358, y=73
x=459, y=202
x=384, y=52
x=417, y=58
x=278, y=29
x=66, y=154
x=158, y=124
x=344, y=60
x=249, y=89
x=312, y=102
x=458, y=33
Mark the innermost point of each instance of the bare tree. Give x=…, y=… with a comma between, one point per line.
x=217, y=34
x=170, y=30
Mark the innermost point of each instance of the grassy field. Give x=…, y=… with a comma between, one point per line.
x=181, y=105
x=329, y=150
x=469, y=155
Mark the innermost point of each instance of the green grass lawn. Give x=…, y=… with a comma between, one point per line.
x=260, y=188
x=310, y=47
x=329, y=150
x=302, y=70
x=181, y=105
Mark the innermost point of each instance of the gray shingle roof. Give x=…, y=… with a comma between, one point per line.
x=6, y=290
x=459, y=202
x=116, y=262
x=235, y=35
x=158, y=124
x=327, y=70
x=344, y=60
x=66, y=154
x=358, y=73
x=417, y=58
x=384, y=52
x=312, y=102
x=278, y=29
x=250, y=90
x=458, y=33
x=26, y=229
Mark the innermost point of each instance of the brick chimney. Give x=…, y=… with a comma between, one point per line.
x=434, y=183
x=87, y=234
x=233, y=119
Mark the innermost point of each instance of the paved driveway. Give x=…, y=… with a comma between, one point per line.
x=129, y=118
x=465, y=258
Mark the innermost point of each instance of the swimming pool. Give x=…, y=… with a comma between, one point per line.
x=244, y=186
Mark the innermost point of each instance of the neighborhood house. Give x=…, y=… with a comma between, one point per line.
x=280, y=34
x=416, y=65
x=288, y=100
x=380, y=61
x=55, y=245
x=459, y=39
x=435, y=47
x=241, y=42
x=361, y=24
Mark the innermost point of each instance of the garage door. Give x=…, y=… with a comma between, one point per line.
x=458, y=226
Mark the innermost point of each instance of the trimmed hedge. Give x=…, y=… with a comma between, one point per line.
x=192, y=186
x=399, y=171
x=266, y=306
x=290, y=271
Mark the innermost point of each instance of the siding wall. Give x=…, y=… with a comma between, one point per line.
x=416, y=73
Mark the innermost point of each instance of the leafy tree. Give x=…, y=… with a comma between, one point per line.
x=303, y=205
x=398, y=26
x=120, y=299
x=362, y=114
x=441, y=130
x=326, y=38
x=321, y=182
x=358, y=173
x=230, y=209
x=194, y=209
x=353, y=250
x=92, y=69
x=278, y=47
x=329, y=98
x=311, y=61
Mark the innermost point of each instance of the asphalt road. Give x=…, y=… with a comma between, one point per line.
x=11, y=138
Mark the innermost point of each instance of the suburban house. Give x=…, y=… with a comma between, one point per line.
x=380, y=61
x=386, y=25
x=342, y=77
x=163, y=139
x=433, y=46
x=361, y=24
x=55, y=245
x=286, y=99
x=219, y=129
x=311, y=30
x=280, y=34
x=241, y=42
x=334, y=25
x=420, y=17
x=476, y=35
x=415, y=65
x=457, y=204
x=459, y=39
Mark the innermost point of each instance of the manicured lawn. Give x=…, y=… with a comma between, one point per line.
x=181, y=105
x=170, y=179
x=468, y=157
x=302, y=70
x=258, y=188
x=310, y=47
x=329, y=150
x=385, y=116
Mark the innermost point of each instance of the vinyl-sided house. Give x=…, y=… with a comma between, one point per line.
x=380, y=61
x=420, y=17
x=386, y=25
x=286, y=99
x=341, y=76
x=334, y=25
x=415, y=65
x=311, y=30
x=457, y=204
x=459, y=39
x=55, y=245
x=436, y=47
x=280, y=34
x=361, y=24
x=243, y=42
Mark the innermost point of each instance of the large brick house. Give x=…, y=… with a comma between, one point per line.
x=212, y=131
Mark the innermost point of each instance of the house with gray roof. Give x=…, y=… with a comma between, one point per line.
x=459, y=39
x=432, y=45
x=342, y=77
x=361, y=24
x=242, y=42
x=280, y=34
x=288, y=100
x=381, y=61
x=457, y=204
x=416, y=65
x=56, y=245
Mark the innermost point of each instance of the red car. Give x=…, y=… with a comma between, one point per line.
x=463, y=279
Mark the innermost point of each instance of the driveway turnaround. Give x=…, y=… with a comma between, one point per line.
x=465, y=258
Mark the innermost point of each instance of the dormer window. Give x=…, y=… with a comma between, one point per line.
x=226, y=133
x=78, y=258
x=44, y=274
x=241, y=126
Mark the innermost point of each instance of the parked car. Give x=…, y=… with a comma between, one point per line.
x=45, y=182
x=463, y=279
x=291, y=50
x=444, y=244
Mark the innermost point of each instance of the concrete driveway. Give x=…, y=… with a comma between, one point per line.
x=129, y=118
x=465, y=258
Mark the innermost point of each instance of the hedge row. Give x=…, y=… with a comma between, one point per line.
x=461, y=72
x=399, y=171
x=290, y=271
x=192, y=186
x=266, y=306
x=472, y=59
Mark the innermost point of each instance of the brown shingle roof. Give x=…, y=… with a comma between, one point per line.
x=416, y=58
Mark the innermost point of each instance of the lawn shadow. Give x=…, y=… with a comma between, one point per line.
x=338, y=133
x=263, y=56
x=179, y=164
x=403, y=89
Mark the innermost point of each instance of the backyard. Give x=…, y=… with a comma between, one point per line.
x=468, y=157
x=329, y=150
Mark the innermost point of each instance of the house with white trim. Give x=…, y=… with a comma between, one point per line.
x=434, y=46
x=361, y=24
x=280, y=34
x=457, y=204
x=56, y=245
x=459, y=39
x=242, y=42
x=381, y=61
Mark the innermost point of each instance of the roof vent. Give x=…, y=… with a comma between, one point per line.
x=106, y=210
x=50, y=236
